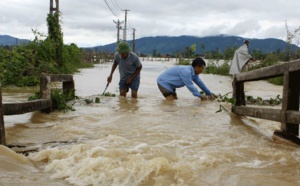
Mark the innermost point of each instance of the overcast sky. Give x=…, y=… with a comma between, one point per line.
x=90, y=22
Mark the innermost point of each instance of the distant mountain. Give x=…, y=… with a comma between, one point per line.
x=6, y=40
x=169, y=45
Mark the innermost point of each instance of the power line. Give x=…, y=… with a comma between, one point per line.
x=110, y=8
x=117, y=7
x=114, y=2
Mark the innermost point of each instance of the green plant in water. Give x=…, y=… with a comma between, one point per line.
x=225, y=98
x=109, y=94
x=88, y=101
x=259, y=101
x=222, y=98
x=249, y=100
x=36, y=95
x=59, y=99
x=97, y=100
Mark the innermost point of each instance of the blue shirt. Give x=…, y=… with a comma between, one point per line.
x=179, y=76
x=127, y=66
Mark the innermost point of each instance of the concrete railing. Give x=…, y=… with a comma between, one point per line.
x=44, y=103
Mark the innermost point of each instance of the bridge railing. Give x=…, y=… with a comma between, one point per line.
x=44, y=103
x=289, y=114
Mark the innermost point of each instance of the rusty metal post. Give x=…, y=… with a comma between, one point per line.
x=2, y=127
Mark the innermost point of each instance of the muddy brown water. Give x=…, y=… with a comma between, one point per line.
x=145, y=141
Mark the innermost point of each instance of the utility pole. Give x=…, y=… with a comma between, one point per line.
x=118, y=30
x=52, y=9
x=133, y=40
x=125, y=27
x=56, y=33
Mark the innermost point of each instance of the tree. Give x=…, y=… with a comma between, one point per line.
x=292, y=35
x=154, y=53
x=193, y=50
x=229, y=53
x=202, y=48
x=190, y=51
x=56, y=36
x=22, y=65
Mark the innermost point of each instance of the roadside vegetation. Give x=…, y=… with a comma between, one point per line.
x=22, y=65
x=219, y=61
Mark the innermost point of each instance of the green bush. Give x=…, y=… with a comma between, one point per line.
x=276, y=80
x=216, y=68
x=59, y=99
x=22, y=65
x=184, y=62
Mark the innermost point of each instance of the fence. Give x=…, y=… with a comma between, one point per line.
x=289, y=114
x=44, y=103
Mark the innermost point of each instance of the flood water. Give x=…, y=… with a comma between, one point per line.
x=146, y=141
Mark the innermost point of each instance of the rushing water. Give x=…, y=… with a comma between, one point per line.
x=146, y=141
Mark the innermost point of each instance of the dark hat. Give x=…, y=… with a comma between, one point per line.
x=246, y=41
x=123, y=47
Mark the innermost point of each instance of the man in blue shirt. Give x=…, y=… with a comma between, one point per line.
x=179, y=76
x=129, y=69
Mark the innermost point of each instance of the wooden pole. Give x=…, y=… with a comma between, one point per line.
x=238, y=92
x=2, y=127
x=290, y=100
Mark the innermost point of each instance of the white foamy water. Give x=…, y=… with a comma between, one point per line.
x=149, y=141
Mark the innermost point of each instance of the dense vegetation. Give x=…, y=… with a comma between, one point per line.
x=219, y=62
x=22, y=65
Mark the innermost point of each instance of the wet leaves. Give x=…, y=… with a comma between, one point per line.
x=267, y=102
x=249, y=100
x=109, y=94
